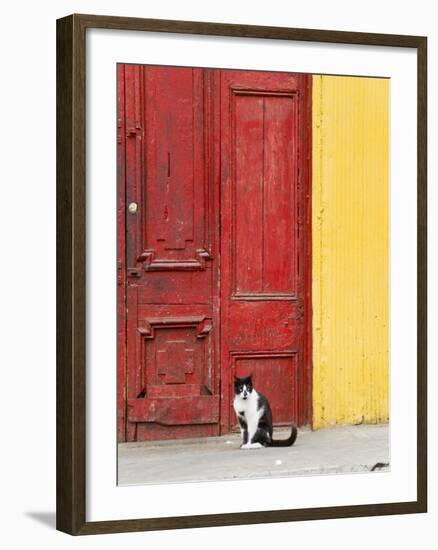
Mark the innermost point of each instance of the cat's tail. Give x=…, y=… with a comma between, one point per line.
x=286, y=442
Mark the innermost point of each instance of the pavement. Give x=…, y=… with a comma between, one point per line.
x=336, y=450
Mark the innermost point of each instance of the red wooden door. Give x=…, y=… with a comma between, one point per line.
x=193, y=274
x=264, y=239
x=171, y=376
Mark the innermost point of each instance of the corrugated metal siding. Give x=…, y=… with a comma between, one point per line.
x=350, y=241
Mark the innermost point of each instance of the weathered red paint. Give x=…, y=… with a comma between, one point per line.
x=263, y=234
x=214, y=279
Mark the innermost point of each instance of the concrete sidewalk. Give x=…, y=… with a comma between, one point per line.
x=335, y=450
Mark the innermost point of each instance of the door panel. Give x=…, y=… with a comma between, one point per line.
x=263, y=156
x=171, y=230
x=280, y=384
x=263, y=253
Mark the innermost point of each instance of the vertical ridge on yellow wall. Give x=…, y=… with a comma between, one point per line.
x=350, y=250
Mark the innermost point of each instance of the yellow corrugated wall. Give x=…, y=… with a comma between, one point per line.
x=350, y=250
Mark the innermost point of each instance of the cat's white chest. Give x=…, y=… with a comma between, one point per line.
x=248, y=410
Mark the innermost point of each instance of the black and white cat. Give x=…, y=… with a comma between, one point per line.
x=255, y=417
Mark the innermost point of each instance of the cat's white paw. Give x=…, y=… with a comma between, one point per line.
x=251, y=446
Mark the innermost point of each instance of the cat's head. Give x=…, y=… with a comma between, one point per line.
x=243, y=386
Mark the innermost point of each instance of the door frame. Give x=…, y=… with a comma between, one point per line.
x=122, y=403
x=306, y=141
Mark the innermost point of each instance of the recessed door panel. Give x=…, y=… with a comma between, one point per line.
x=263, y=157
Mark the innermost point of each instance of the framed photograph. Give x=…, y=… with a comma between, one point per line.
x=241, y=274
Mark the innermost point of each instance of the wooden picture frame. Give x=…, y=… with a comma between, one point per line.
x=71, y=273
